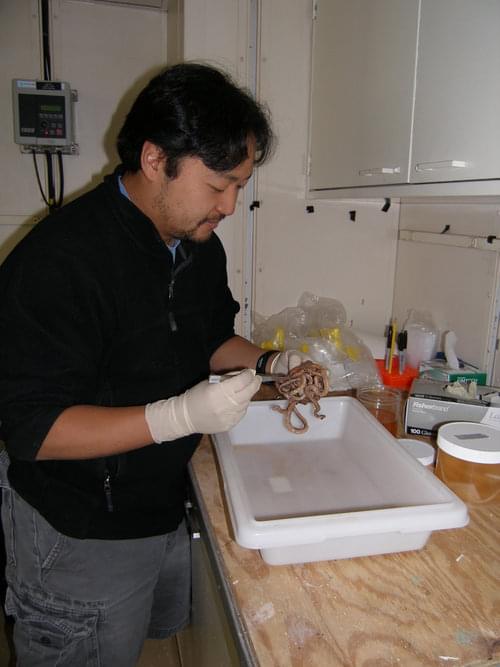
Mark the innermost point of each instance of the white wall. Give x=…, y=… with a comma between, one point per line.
x=106, y=52
x=323, y=252
x=217, y=32
x=19, y=58
x=457, y=285
x=360, y=263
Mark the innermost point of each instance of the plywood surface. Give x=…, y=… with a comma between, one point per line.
x=436, y=606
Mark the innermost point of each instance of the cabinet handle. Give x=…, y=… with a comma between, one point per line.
x=379, y=170
x=443, y=164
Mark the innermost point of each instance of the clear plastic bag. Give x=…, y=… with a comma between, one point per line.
x=321, y=312
x=316, y=326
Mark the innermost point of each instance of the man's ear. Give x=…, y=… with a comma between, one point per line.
x=152, y=161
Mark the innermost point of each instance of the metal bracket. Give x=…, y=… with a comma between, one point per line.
x=73, y=149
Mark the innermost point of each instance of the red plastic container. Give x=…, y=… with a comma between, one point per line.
x=395, y=379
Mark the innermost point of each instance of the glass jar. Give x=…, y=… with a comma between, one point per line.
x=468, y=461
x=384, y=403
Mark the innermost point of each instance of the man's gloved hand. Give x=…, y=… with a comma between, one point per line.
x=205, y=408
x=283, y=362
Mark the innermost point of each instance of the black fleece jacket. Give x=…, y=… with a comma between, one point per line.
x=93, y=311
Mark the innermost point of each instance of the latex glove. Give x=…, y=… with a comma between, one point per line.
x=283, y=362
x=205, y=408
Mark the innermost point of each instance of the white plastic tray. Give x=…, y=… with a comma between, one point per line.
x=345, y=488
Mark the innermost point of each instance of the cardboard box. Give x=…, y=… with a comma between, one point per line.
x=437, y=369
x=429, y=406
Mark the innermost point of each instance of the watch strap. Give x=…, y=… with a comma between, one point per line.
x=260, y=366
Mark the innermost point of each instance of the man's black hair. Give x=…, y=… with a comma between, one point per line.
x=195, y=110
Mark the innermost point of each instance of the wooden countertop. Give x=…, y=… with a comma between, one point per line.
x=436, y=606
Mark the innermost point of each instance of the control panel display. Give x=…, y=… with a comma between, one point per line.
x=42, y=113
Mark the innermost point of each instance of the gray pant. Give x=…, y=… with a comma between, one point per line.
x=90, y=603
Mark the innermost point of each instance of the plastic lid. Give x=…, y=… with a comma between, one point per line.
x=469, y=441
x=421, y=451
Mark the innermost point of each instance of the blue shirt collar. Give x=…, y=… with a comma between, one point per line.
x=124, y=192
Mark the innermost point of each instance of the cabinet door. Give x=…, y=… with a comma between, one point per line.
x=208, y=640
x=363, y=73
x=457, y=102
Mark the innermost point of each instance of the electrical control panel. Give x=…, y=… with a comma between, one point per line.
x=43, y=115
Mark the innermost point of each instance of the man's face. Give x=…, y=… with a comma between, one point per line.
x=191, y=205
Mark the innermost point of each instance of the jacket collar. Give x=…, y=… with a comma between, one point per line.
x=135, y=223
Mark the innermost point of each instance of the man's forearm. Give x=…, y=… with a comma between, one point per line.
x=235, y=353
x=87, y=431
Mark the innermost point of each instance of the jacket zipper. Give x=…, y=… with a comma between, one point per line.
x=186, y=260
x=171, y=317
x=107, y=492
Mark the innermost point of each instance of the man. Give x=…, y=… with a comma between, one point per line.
x=114, y=311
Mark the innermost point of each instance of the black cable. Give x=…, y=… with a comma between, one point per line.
x=50, y=181
x=61, y=179
x=47, y=65
x=50, y=200
x=38, y=178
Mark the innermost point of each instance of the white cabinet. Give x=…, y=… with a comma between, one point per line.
x=405, y=93
x=456, y=130
x=362, y=92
